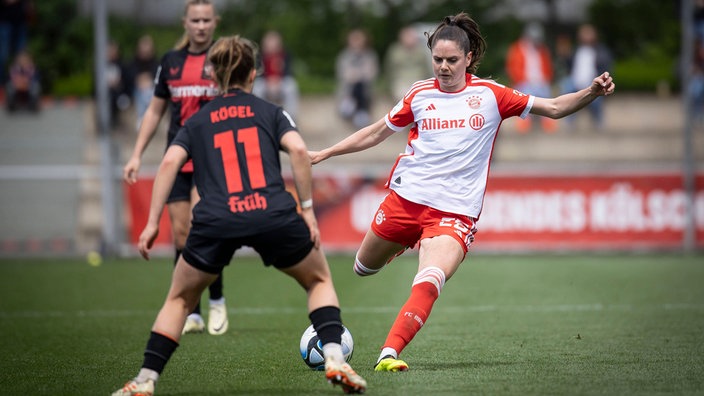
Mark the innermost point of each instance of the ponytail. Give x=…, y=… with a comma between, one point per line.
x=233, y=59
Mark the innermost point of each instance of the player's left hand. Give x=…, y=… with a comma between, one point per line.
x=603, y=85
x=309, y=217
x=146, y=239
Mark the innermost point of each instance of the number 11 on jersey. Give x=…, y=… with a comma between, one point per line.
x=249, y=137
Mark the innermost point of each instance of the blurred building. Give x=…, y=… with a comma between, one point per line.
x=567, y=11
x=166, y=11
x=160, y=12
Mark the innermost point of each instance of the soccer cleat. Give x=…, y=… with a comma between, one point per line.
x=134, y=388
x=194, y=324
x=217, y=319
x=341, y=373
x=388, y=363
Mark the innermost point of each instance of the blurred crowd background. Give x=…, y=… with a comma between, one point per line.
x=643, y=36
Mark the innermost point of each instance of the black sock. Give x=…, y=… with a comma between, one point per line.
x=178, y=254
x=215, y=288
x=158, y=351
x=328, y=324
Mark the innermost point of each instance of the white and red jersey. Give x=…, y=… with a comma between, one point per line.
x=446, y=162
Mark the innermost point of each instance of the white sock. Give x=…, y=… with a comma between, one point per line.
x=195, y=316
x=386, y=352
x=334, y=351
x=146, y=374
x=361, y=270
x=219, y=301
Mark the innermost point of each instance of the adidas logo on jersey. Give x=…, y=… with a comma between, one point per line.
x=431, y=107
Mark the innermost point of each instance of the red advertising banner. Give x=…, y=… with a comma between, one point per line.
x=623, y=212
x=524, y=213
x=139, y=197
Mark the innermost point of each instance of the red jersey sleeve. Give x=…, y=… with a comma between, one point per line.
x=401, y=115
x=512, y=102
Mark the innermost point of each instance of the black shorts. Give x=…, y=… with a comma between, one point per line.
x=181, y=191
x=281, y=247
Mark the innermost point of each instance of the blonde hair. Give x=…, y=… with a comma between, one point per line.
x=233, y=58
x=183, y=42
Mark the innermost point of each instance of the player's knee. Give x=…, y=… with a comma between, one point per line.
x=179, y=233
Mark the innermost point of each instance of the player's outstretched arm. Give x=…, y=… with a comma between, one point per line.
x=173, y=160
x=567, y=104
x=363, y=139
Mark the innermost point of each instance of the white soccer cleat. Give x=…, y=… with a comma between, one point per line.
x=134, y=388
x=341, y=373
x=217, y=319
x=194, y=324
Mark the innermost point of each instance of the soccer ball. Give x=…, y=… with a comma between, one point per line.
x=312, y=348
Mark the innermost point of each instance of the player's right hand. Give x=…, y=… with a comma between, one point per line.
x=146, y=239
x=129, y=172
x=309, y=217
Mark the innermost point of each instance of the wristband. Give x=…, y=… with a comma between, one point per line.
x=307, y=203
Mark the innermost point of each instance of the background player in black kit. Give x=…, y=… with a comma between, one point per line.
x=184, y=85
x=234, y=142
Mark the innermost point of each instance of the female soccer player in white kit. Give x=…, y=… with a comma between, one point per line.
x=438, y=184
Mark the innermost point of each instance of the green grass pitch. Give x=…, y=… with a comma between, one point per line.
x=603, y=324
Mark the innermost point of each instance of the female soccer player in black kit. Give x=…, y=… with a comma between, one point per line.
x=184, y=85
x=234, y=142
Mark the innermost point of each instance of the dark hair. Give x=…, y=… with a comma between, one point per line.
x=464, y=31
x=233, y=59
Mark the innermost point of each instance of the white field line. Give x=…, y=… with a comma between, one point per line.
x=36, y=314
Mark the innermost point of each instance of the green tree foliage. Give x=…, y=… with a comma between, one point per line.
x=60, y=40
x=644, y=36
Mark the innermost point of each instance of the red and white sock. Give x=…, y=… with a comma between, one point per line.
x=361, y=270
x=426, y=288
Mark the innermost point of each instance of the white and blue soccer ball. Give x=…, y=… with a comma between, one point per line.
x=312, y=348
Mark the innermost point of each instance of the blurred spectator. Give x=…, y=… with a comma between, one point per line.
x=276, y=83
x=591, y=58
x=23, y=87
x=699, y=19
x=118, y=82
x=406, y=62
x=14, y=19
x=564, y=52
x=141, y=71
x=357, y=66
x=696, y=82
x=529, y=66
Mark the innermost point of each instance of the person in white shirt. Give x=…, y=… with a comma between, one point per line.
x=437, y=185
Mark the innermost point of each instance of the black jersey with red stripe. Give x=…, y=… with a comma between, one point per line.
x=184, y=80
x=235, y=143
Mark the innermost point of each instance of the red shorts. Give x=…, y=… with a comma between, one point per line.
x=402, y=221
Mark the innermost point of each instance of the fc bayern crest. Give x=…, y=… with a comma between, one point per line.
x=474, y=102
